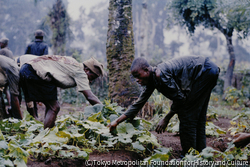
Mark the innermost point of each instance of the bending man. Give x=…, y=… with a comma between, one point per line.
x=9, y=75
x=41, y=76
x=188, y=82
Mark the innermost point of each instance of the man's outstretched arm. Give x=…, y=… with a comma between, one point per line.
x=242, y=139
x=91, y=97
x=15, y=107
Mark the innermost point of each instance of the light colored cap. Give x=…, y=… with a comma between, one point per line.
x=39, y=33
x=4, y=40
x=95, y=66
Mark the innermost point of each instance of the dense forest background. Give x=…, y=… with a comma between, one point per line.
x=154, y=38
x=157, y=37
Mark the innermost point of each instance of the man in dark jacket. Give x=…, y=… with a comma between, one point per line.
x=38, y=47
x=188, y=82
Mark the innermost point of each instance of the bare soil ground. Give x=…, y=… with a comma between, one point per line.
x=166, y=139
x=173, y=140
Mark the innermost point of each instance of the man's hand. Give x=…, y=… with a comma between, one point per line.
x=242, y=139
x=164, y=122
x=112, y=126
x=162, y=125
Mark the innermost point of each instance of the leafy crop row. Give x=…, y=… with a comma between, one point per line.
x=78, y=136
x=72, y=136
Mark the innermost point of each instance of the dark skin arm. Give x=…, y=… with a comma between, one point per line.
x=112, y=126
x=15, y=107
x=7, y=93
x=242, y=139
x=164, y=122
x=91, y=97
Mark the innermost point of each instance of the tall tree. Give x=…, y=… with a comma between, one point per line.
x=150, y=22
x=93, y=42
x=120, y=52
x=58, y=20
x=225, y=15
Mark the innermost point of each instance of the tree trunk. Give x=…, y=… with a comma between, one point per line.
x=230, y=68
x=144, y=31
x=137, y=35
x=59, y=23
x=120, y=52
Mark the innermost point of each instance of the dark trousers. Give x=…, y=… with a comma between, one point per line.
x=35, y=88
x=3, y=113
x=193, y=117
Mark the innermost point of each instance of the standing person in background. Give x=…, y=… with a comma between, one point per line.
x=188, y=82
x=38, y=47
x=5, y=51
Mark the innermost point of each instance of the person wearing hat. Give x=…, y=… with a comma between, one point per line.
x=40, y=77
x=38, y=47
x=9, y=75
x=4, y=48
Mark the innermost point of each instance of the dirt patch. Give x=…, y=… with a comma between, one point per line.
x=117, y=158
x=219, y=143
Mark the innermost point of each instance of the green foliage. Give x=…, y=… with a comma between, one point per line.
x=225, y=15
x=208, y=157
x=193, y=12
x=160, y=102
x=173, y=125
x=221, y=14
x=58, y=20
x=209, y=154
x=213, y=130
x=240, y=123
x=211, y=113
x=236, y=97
x=161, y=154
x=78, y=136
x=236, y=15
x=72, y=136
